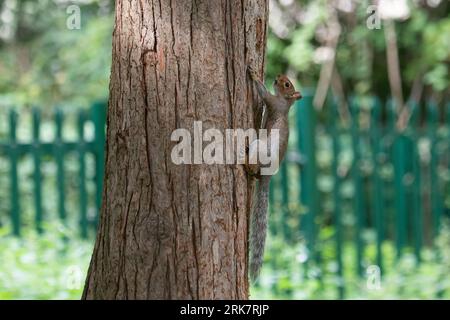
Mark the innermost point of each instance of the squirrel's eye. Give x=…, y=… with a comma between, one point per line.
x=287, y=85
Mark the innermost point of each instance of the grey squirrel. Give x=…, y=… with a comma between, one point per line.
x=277, y=108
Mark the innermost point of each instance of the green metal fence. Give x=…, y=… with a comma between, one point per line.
x=13, y=150
x=364, y=177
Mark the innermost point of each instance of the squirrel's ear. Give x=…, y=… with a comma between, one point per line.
x=297, y=95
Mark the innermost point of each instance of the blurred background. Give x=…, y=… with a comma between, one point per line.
x=360, y=208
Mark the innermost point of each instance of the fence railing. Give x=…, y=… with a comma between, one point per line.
x=13, y=150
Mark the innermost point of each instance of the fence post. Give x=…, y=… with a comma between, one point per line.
x=389, y=135
x=400, y=158
x=99, y=118
x=82, y=174
x=335, y=135
x=272, y=189
x=14, y=157
x=37, y=169
x=417, y=189
x=285, y=199
x=377, y=190
x=58, y=153
x=306, y=125
x=357, y=185
x=447, y=123
x=436, y=206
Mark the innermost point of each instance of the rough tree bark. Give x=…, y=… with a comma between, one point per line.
x=176, y=231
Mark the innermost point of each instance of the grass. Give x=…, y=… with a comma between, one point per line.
x=44, y=266
x=288, y=273
x=54, y=265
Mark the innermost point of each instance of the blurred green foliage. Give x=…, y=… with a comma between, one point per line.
x=300, y=36
x=45, y=63
x=50, y=266
x=289, y=273
x=46, y=266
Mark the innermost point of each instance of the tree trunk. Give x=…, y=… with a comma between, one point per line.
x=176, y=231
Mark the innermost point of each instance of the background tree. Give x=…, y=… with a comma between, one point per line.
x=171, y=231
x=313, y=39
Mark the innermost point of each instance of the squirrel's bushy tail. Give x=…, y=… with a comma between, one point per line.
x=258, y=226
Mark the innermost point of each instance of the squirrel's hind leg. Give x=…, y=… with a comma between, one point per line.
x=251, y=165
